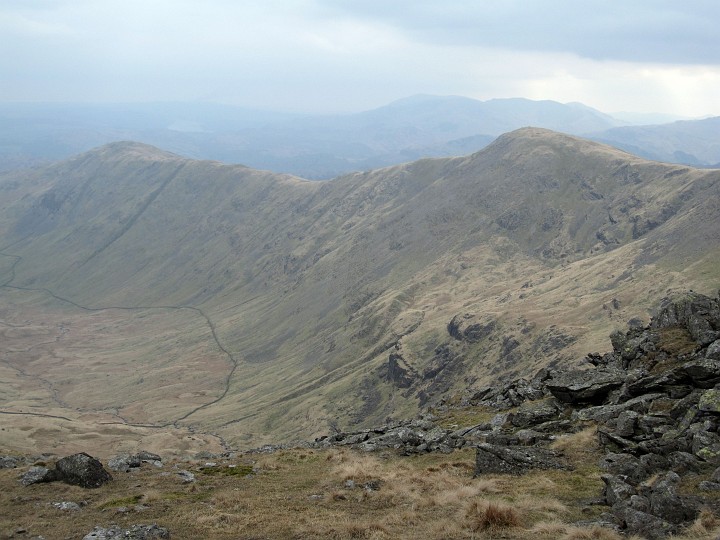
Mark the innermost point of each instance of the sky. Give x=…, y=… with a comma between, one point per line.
x=327, y=56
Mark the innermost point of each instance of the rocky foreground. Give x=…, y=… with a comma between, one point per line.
x=654, y=401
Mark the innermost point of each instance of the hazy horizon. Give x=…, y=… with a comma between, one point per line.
x=337, y=56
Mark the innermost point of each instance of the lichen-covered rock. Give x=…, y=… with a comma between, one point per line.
x=696, y=312
x=38, y=475
x=625, y=466
x=9, y=462
x=82, y=470
x=535, y=412
x=516, y=460
x=713, y=350
x=616, y=489
x=123, y=463
x=643, y=524
x=585, y=386
x=665, y=501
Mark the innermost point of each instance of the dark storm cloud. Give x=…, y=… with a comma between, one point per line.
x=662, y=31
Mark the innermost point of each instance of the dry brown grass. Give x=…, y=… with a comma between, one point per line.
x=491, y=516
x=706, y=526
x=578, y=446
x=305, y=494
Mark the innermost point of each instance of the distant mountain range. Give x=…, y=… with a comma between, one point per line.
x=143, y=290
x=321, y=147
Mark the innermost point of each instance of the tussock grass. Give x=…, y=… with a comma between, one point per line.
x=305, y=494
x=491, y=516
x=706, y=526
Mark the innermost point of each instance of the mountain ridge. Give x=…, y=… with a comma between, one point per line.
x=337, y=298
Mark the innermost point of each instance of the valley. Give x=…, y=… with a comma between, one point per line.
x=154, y=301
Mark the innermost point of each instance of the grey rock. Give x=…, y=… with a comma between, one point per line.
x=82, y=470
x=529, y=437
x=703, y=372
x=516, y=460
x=706, y=446
x=66, y=506
x=627, y=467
x=124, y=462
x=144, y=455
x=38, y=475
x=683, y=462
x=651, y=424
x=713, y=350
x=626, y=423
x=614, y=442
x=536, y=412
x=696, y=312
x=654, y=463
x=616, y=489
x=665, y=502
x=709, y=486
x=643, y=524
x=590, y=386
x=9, y=462
x=186, y=476
x=710, y=401
x=135, y=532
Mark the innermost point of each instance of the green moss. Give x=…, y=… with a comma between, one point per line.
x=676, y=340
x=239, y=470
x=470, y=416
x=123, y=501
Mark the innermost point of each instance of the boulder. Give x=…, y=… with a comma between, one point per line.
x=665, y=502
x=643, y=524
x=186, y=476
x=535, y=412
x=516, y=460
x=82, y=470
x=627, y=467
x=585, y=386
x=38, y=475
x=9, y=462
x=616, y=489
x=713, y=350
x=124, y=462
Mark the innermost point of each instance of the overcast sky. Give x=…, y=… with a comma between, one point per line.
x=351, y=55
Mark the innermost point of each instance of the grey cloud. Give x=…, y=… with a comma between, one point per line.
x=663, y=31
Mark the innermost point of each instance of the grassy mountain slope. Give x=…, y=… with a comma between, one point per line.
x=340, y=303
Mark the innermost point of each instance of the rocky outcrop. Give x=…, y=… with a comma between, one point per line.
x=470, y=327
x=657, y=407
x=499, y=459
x=78, y=469
x=410, y=437
x=127, y=462
x=655, y=399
